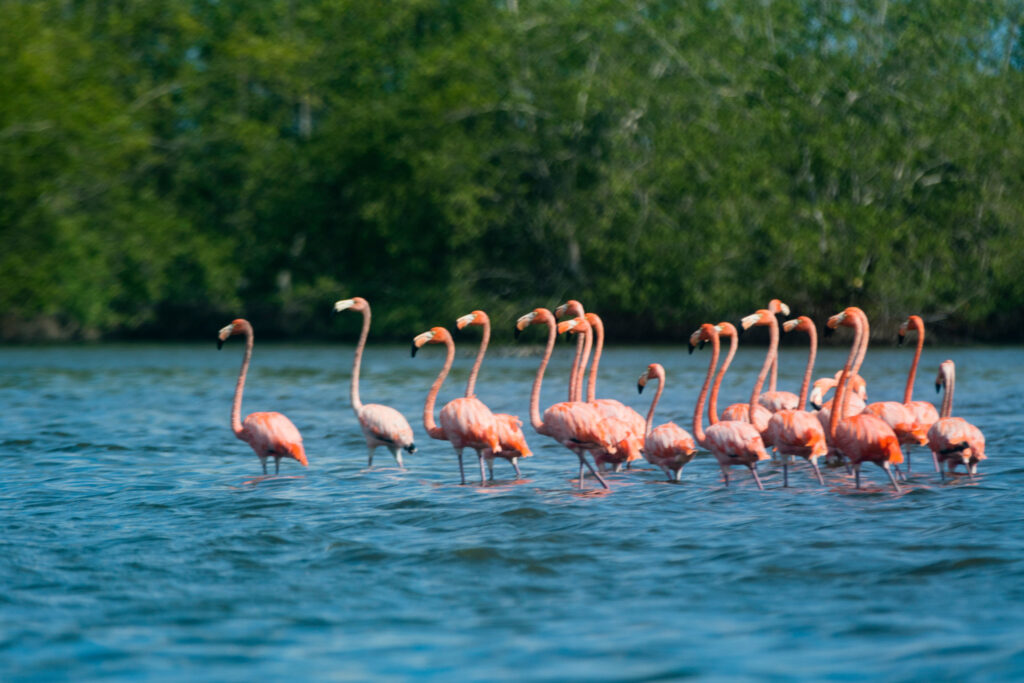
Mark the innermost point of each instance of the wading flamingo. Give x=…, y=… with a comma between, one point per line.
x=954, y=440
x=731, y=442
x=864, y=437
x=741, y=411
x=796, y=431
x=777, y=400
x=510, y=427
x=271, y=435
x=628, y=443
x=577, y=426
x=382, y=425
x=465, y=422
x=924, y=412
x=667, y=446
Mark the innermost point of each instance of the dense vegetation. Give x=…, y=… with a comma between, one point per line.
x=166, y=165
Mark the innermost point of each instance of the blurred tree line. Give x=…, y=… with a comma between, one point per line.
x=167, y=165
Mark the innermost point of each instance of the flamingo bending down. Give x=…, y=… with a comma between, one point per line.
x=864, y=437
x=667, y=446
x=382, y=425
x=772, y=399
x=271, y=435
x=924, y=412
x=510, y=427
x=465, y=422
x=954, y=440
x=731, y=442
x=796, y=431
x=577, y=426
x=628, y=442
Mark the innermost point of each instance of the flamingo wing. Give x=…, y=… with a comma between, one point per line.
x=273, y=435
x=384, y=426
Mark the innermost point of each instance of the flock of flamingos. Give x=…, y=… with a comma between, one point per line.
x=616, y=435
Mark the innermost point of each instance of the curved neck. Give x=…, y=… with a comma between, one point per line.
x=908, y=393
x=865, y=336
x=236, y=404
x=598, y=327
x=947, y=398
x=698, y=429
x=588, y=343
x=839, y=400
x=535, y=418
x=774, y=377
x=769, y=360
x=812, y=335
x=575, y=377
x=357, y=405
x=484, y=340
x=433, y=431
x=654, y=404
x=734, y=342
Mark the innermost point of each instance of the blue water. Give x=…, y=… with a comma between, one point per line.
x=139, y=541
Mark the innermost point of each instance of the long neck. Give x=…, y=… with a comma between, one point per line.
x=774, y=377
x=575, y=376
x=698, y=429
x=773, y=348
x=484, y=340
x=535, y=418
x=734, y=342
x=865, y=337
x=236, y=404
x=588, y=343
x=839, y=400
x=654, y=404
x=811, y=356
x=908, y=393
x=357, y=405
x=947, y=399
x=433, y=431
x=598, y=326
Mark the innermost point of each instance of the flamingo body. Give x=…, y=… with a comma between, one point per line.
x=901, y=419
x=797, y=432
x=735, y=443
x=272, y=435
x=954, y=440
x=384, y=426
x=924, y=413
x=669, y=447
x=468, y=423
x=740, y=412
x=867, y=438
x=774, y=401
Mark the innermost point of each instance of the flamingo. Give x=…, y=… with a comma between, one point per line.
x=725, y=329
x=577, y=426
x=774, y=400
x=465, y=422
x=667, y=446
x=574, y=309
x=271, y=435
x=953, y=439
x=742, y=411
x=510, y=427
x=796, y=431
x=629, y=444
x=924, y=412
x=864, y=437
x=382, y=425
x=731, y=442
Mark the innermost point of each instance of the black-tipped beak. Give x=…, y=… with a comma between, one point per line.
x=816, y=406
x=740, y=329
x=899, y=340
x=411, y=448
x=692, y=347
x=639, y=388
x=515, y=332
x=414, y=349
x=701, y=345
x=828, y=331
x=938, y=387
x=220, y=343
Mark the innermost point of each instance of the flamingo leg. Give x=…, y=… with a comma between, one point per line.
x=515, y=466
x=679, y=475
x=483, y=477
x=814, y=464
x=906, y=456
x=462, y=472
x=935, y=459
x=899, y=473
x=369, y=459
x=277, y=465
x=490, y=468
x=785, y=472
x=580, y=455
x=592, y=471
x=398, y=457
x=263, y=461
x=725, y=475
x=892, y=477
x=617, y=467
x=856, y=472
x=757, y=479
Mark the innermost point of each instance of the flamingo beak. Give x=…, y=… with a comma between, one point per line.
x=938, y=387
x=829, y=331
x=639, y=388
x=342, y=305
x=220, y=343
x=463, y=321
x=515, y=332
x=414, y=350
x=222, y=335
x=692, y=347
x=899, y=340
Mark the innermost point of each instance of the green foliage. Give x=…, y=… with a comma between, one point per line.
x=166, y=165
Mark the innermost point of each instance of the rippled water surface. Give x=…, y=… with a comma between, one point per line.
x=138, y=539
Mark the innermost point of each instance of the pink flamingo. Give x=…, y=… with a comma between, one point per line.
x=772, y=399
x=510, y=432
x=954, y=440
x=864, y=437
x=574, y=309
x=667, y=446
x=577, y=426
x=924, y=412
x=382, y=425
x=796, y=431
x=742, y=411
x=465, y=422
x=725, y=329
x=271, y=435
x=731, y=442
x=628, y=443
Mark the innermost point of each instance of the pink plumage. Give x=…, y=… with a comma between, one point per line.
x=775, y=401
x=901, y=419
x=797, y=432
x=954, y=440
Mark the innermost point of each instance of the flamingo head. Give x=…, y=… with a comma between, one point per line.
x=803, y=324
x=706, y=333
x=848, y=317
x=237, y=326
x=726, y=329
x=435, y=335
x=653, y=371
x=818, y=391
x=474, y=318
x=776, y=306
x=356, y=304
x=577, y=325
x=761, y=317
x=947, y=371
x=913, y=321
x=537, y=316
x=570, y=307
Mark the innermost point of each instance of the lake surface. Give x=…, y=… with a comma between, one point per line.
x=139, y=541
